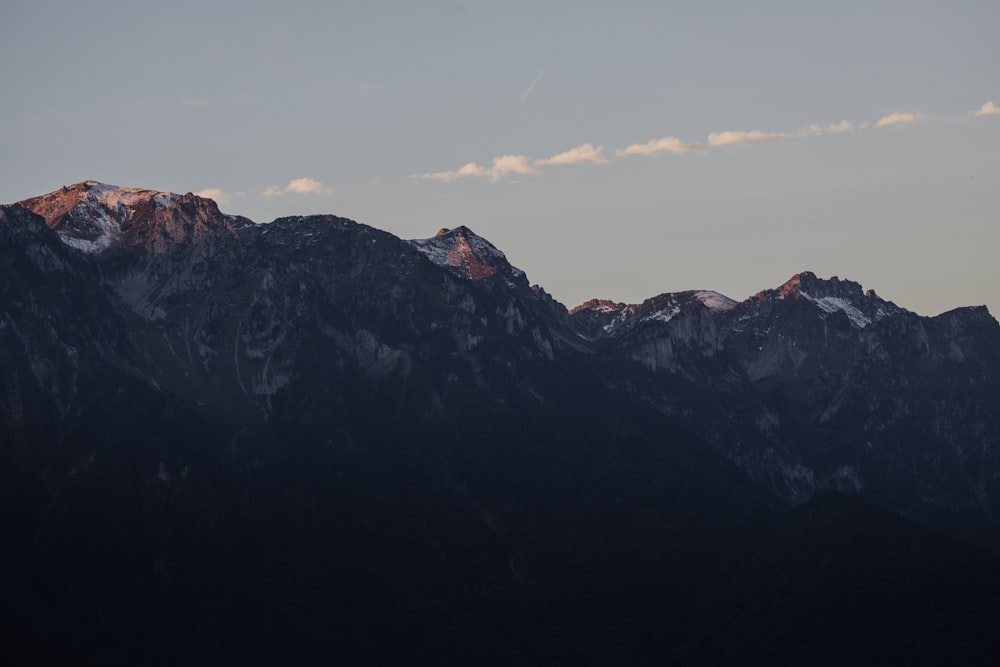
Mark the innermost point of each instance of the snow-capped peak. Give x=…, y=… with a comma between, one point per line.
x=93, y=216
x=830, y=304
x=90, y=215
x=613, y=317
x=832, y=295
x=117, y=198
x=467, y=254
x=715, y=301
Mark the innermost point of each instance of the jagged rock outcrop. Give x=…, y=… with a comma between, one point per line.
x=819, y=384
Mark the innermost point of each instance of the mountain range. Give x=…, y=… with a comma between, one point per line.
x=309, y=439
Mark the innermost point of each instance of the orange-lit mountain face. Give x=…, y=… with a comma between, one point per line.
x=93, y=217
x=470, y=256
x=310, y=438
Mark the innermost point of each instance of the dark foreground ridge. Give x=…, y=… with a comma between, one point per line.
x=311, y=441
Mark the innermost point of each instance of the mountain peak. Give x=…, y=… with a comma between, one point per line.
x=93, y=216
x=832, y=295
x=601, y=317
x=599, y=306
x=465, y=253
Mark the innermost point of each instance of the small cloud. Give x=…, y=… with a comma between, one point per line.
x=579, y=155
x=731, y=138
x=219, y=196
x=467, y=169
x=815, y=129
x=988, y=109
x=240, y=195
x=302, y=186
x=897, y=119
x=511, y=164
x=659, y=146
x=837, y=128
x=502, y=166
x=307, y=186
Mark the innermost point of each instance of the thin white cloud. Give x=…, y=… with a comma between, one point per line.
x=897, y=119
x=307, y=186
x=988, y=109
x=219, y=196
x=837, y=128
x=467, y=169
x=302, y=186
x=534, y=83
x=815, y=129
x=733, y=137
x=583, y=154
x=502, y=166
x=659, y=146
x=507, y=165
x=511, y=164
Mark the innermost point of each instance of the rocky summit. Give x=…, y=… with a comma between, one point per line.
x=310, y=440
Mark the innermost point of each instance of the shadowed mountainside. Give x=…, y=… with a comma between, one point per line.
x=310, y=439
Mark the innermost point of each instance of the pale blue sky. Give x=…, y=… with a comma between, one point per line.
x=364, y=98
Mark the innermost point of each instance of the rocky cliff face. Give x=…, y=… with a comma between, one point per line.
x=817, y=384
x=810, y=385
x=188, y=382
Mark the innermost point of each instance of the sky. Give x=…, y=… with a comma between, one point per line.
x=611, y=150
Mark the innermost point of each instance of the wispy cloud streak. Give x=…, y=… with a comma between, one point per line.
x=506, y=165
x=815, y=129
x=655, y=147
x=733, y=137
x=531, y=86
x=897, y=119
x=302, y=186
x=584, y=154
x=503, y=165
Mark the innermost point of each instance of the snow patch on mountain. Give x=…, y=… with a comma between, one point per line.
x=469, y=255
x=831, y=304
x=118, y=198
x=715, y=301
x=107, y=232
x=833, y=295
x=89, y=216
x=664, y=314
x=600, y=306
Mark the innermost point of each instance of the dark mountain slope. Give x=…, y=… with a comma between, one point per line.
x=311, y=440
x=819, y=385
x=864, y=587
